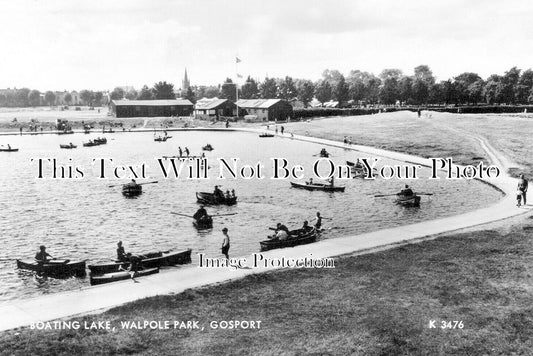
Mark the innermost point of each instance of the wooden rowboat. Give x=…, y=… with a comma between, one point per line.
x=413, y=200
x=296, y=237
x=208, y=147
x=323, y=187
x=149, y=260
x=132, y=189
x=210, y=199
x=266, y=135
x=121, y=276
x=67, y=146
x=203, y=224
x=9, y=149
x=55, y=268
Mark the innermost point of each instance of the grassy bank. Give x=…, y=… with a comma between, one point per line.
x=376, y=304
x=441, y=135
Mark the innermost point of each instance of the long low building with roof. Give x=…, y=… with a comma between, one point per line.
x=265, y=109
x=151, y=108
x=214, y=108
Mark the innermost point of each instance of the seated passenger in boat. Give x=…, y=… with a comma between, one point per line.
x=42, y=255
x=218, y=193
x=233, y=193
x=201, y=214
x=406, y=192
x=310, y=181
x=121, y=253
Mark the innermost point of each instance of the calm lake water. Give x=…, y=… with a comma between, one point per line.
x=84, y=218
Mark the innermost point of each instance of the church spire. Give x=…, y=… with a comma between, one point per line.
x=185, y=83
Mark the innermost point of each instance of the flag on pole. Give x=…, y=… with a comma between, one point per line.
x=237, y=60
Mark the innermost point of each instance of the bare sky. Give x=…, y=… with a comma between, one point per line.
x=100, y=44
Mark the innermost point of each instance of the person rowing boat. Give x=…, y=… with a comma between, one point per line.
x=406, y=192
x=281, y=233
x=41, y=256
x=121, y=253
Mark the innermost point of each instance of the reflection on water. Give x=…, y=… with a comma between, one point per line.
x=84, y=218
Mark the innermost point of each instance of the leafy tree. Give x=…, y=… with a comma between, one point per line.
x=87, y=97
x=268, y=89
x=189, y=95
x=524, y=86
x=164, y=90
x=3, y=100
x=98, y=97
x=493, y=89
x=356, y=85
x=341, y=91
x=425, y=74
x=34, y=98
x=50, y=98
x=22, y=97
x=117, y=94
x=250, y=89
x=389, y=91
x=405, y=89
x=372, y=84
x=145, y=93
x=462, y=82
x=287, y=89
x=228, y=90
x=68, y=98
x=420, y=91
x=332, y=76
x=131, y=94
x=323, y=91
x=475, y=91
x=509, y=83
x=306, y=91
x=391, y=73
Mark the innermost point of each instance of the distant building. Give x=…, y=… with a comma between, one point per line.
x=206, y=109
x=185, y=84
x=151, y=108
x=265, y=109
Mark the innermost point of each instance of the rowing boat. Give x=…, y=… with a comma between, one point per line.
x=67, y=146
x=162, y=139
x=210, y=199
x=296, y=237
x=132, y=189
x=413, y=200
x=149, y=260
x=314, y=186
x=203, y=223
x=9, y=149
x=208, y=147
x=266, y=135
x=55, y=268
x=121, y=276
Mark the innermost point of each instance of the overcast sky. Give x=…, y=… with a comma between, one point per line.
x=100, y=44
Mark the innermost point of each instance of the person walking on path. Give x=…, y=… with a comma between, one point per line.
x=522, y=190
x=225, y=243
x=282, y=129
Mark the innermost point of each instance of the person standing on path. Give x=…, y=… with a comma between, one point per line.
x=282, y=129
x=225, y=243
x=522, y=190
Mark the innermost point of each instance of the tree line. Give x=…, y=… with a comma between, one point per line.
x=390, y=87
x=25, y=97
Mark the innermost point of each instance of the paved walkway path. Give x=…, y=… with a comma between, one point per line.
x=94, y=299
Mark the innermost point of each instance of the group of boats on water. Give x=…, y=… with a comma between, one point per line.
x=149, y=263
x=132, y=267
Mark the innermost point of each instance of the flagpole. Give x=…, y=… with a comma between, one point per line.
x=237, y=86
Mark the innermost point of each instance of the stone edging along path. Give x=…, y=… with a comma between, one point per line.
x=99, y=298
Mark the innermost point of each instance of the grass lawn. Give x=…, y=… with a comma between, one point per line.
x=442, y=135
x=375, y=304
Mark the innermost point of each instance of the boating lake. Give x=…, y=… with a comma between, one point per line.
x=83, y=218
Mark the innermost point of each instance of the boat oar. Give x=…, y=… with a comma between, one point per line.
x=214, y=216
x=424, y=193
x=188, y=216
x=118, y=185
x=384, y=195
